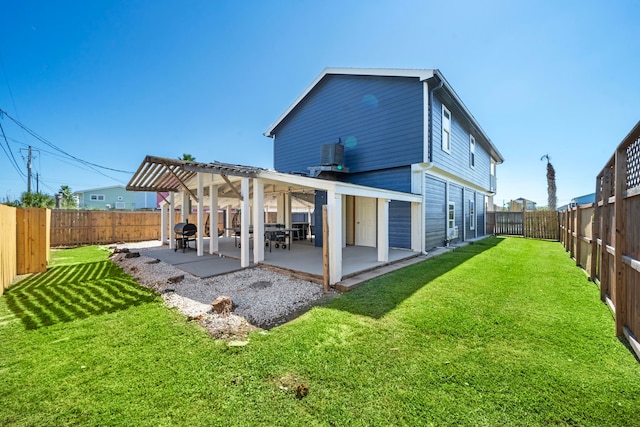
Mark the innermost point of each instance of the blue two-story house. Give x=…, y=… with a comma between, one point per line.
x=393, y=129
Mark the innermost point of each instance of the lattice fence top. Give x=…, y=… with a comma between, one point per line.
x=633, y=164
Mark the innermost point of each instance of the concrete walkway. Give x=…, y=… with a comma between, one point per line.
x=302, y=259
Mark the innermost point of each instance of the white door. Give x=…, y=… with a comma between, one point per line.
x=365, y=221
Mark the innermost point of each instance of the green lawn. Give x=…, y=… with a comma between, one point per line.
x=502, y=332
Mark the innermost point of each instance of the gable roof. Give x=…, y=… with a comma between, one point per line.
x=420, y=74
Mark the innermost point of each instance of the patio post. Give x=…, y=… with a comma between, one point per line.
x=164, y=210
x=334, y=213
x=383, y=230
x=213, y=218
x=258, y=220
x=186, y=201
x=417, y=233
x=172, y=219
x=245, y=213
x=200, y=238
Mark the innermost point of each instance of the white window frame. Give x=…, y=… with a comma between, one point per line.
x=472, y=214
x=472, y=152
x=96, y=197
x=446, y=130
x=451, y=217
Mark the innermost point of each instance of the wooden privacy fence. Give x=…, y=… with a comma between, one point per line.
x=533, y=224
x=604, y=237
x=76, y=228
x=24, y=242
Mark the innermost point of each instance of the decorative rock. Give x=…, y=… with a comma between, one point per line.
x=154, y=261
x=132, y=255
x=222, y=305
x=176, y=279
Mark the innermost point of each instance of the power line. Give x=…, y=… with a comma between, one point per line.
x=50, y=144
x=9, y=154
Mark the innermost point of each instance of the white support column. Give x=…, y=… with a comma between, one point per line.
x=344, y=223
x=417, y=232
x=418, y=209
x=281, y=209
x=245, y=214
x=164, y=217
x=172, y=219
x=258, y=220
x=200, y=238
x=185, y=206
x=213, y=219
x=383, y=230
x=227, y=221
x=334, y=218
x=287, y=210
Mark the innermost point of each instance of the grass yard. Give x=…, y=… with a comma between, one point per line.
x=503, y=332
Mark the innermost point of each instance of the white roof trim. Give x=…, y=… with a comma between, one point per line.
x=383, y=72
x=340, y=187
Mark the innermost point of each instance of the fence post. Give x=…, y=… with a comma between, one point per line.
x=578, y=239
x=595, y=232
x=606, y=236
x=620, y=227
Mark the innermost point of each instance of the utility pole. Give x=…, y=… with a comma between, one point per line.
x=29, y=171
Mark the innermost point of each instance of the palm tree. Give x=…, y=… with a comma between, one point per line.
x=67, y=200
x=551, y=183
x=36, y=200
x=187, y=158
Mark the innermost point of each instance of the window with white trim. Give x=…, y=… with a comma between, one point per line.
x=446, y=129
x=119, y=205
x=472, y=151
x=472, y=215
x=451, y=217
x=97, y=197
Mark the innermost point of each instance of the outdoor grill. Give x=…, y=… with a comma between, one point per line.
x=184, y=234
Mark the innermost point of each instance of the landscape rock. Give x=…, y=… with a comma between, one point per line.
x=222, y=305
x=176, y=279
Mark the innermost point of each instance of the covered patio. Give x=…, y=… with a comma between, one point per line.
x=256, y=190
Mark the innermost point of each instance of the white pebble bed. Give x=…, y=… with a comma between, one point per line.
x=263, y=297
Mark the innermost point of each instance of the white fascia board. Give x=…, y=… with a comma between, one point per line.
x=383, y=72
x=439, y=173
x=339, y=187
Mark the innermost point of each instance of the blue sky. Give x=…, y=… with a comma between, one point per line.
x=112, y=81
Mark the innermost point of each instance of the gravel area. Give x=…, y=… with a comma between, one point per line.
x=261, y=298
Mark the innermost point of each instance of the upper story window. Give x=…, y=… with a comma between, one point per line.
x=97, y=197
x=446, y=129
x=472, y=151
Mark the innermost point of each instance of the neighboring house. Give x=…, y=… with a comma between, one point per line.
x=516, y=205
x=583, y=200
x=115, y=197
x=393, y=129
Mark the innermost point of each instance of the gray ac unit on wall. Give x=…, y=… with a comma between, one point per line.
x=332, y=154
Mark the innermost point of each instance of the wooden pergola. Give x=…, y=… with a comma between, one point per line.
x=246, y=184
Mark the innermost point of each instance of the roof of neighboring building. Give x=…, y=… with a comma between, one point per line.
x=422, y=75
x=100, y=189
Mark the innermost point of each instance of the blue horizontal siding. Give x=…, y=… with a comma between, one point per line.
x=396, y=179
x=378, y=119
x=458, y=162
x=400, y=224
x=435, y=212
